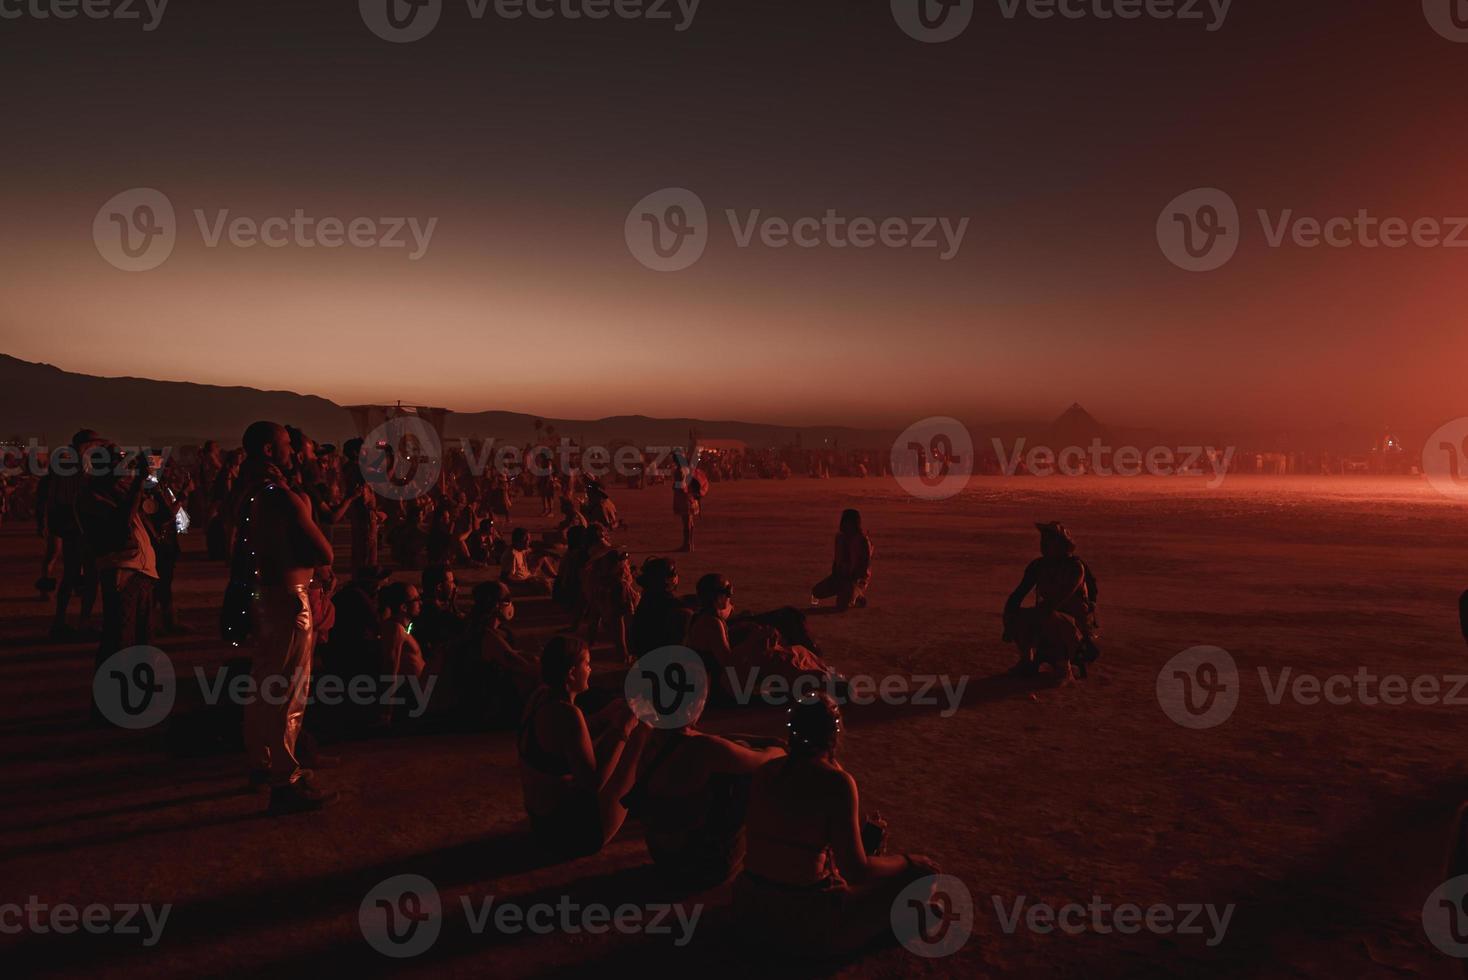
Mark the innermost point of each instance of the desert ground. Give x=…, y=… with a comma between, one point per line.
x=1325, y=826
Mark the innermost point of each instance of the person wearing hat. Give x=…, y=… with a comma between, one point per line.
x=815, y=881
x=1060, y=627
x=662, y=617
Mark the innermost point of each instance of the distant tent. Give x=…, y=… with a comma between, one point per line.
x=1076, y=427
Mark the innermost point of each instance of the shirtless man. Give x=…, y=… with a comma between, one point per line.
x=815, y=881
x=275, y=523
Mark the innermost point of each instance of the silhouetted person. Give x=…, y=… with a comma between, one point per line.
x=851, y=568
x=815, y=882
x=574, y=771
x=116, y=534
x=1061, y=625
x=56, y=515
x=281, y=539
x=687, y=496
x=662, y=616
x=691, y=795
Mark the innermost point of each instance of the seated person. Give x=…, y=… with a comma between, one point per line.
x=573, y=780
x=851, y=569
x=523, y=572
x=485, y=546
x=662, y=617
x=566, y=592
x=814, y=881
x=439, y=623
x=691, y=794
x=757, y=650
x=1060, y=628
x=492, y=679
x=599, y=508
x=399, y=603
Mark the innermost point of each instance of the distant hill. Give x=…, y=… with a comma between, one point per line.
x=48, y=404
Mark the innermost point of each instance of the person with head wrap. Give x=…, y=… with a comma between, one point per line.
x=1060, y=628
x=815, y=881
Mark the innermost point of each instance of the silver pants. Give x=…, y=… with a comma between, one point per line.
x=282, y=676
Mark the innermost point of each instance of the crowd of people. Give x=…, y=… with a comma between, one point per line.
x=782, y=814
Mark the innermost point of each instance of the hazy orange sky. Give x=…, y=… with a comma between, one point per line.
x=529, y=142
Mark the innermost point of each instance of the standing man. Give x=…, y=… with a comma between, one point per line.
x=687, y=492
x=110, y=512
x=275, y=525
x=56, y=518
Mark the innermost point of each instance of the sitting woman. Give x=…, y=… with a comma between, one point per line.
x=691, y=794
x=757, y=650
x=573, y=780
x=851, y=569
x=814, y=880
x=1060, y=628
x=523, y=572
